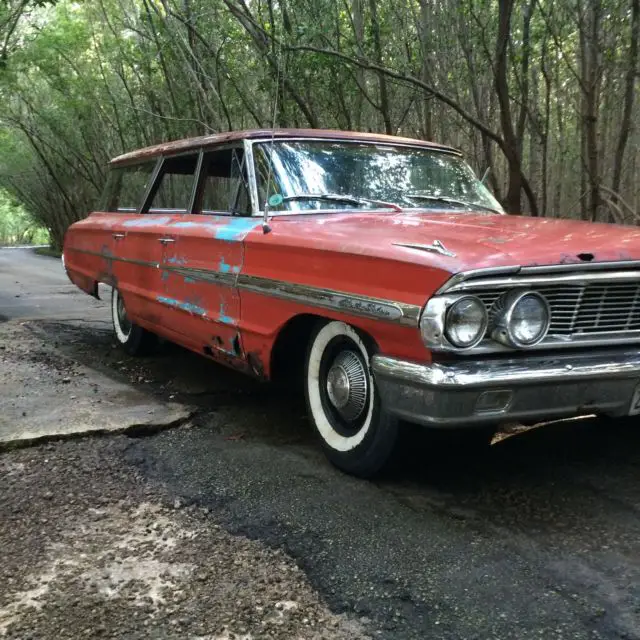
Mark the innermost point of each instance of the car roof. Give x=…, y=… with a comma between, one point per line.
x=187, y=144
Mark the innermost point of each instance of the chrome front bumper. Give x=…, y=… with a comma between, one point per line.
x=465, y=393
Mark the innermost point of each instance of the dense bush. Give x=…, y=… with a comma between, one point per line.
x=17, y=226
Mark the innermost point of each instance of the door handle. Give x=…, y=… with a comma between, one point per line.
x=117, y=236
x=166, y=240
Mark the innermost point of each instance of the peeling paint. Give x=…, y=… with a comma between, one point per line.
x=146, y=221
x=225, y=267
x=235, y=229
x=567, y=258
x=177, y=260
x=187, y=225
x=188, y=280
x=223, y=317
x=165, y=276
x=255, y=362
x=189, y=307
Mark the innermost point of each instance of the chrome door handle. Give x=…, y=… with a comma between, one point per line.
x=166, y=240
x=117, y=236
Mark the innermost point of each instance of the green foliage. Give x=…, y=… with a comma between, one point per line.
x=16, y=226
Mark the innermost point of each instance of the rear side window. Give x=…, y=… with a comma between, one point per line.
x=126, y=187
x=175, y=187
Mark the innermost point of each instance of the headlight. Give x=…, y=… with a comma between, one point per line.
x=523, y=319
x=466, y=322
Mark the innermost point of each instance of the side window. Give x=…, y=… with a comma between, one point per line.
x=175, y=187
x=225, y=188
x=126, y=187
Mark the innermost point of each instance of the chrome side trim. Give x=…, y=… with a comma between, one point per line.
x=366, y=306
x=482, y=374
x=204, y=275
x=360, y=305
x=109, y=256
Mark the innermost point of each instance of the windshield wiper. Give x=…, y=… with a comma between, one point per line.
x=447, y=200
x=338, y=197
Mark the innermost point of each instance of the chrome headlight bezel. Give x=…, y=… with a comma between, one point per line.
x=502, y=325
x=434, y=318
x=482, y=327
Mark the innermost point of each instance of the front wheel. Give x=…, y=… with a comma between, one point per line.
x=357, y=434
x=133, y=339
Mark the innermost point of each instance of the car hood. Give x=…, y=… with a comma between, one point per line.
x=471, y=241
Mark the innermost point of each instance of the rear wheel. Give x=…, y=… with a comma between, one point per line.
x=133, y=339
x=357, y=434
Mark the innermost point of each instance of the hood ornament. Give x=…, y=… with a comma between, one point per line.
x=435, y=247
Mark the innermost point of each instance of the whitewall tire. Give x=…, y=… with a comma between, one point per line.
x=133, y=339
x=357, y=434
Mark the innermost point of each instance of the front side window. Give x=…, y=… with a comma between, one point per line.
x=126, y=187
x=225, y=188
x=324, y=175
x=175, y=187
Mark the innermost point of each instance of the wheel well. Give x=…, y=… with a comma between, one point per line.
x=290, y=349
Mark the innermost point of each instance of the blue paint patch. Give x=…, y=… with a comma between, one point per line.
x=177, y=260
x=189, y=307
x=225, y=267
x=223, y=317
x=146, y=221
x=165, y=276
x=189, y=280
x=235, y=229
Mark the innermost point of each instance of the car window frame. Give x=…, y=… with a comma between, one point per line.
x=260, y=212
x=156, y=180
x=106, y=196
x=247, y=162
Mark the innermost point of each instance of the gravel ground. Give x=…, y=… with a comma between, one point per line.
x=91, y=550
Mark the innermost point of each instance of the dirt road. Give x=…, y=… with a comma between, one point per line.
x=539, y=537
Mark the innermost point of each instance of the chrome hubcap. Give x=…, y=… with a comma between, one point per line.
x=347, y=385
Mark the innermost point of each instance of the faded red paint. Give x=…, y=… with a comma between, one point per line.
x=353, y=253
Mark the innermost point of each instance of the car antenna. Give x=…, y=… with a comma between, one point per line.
x=266, y=228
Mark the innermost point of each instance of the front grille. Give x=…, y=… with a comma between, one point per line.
x=582, y=309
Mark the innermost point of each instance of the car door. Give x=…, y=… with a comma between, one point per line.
x=141, y=236
x=201, y=263
x=131, y=255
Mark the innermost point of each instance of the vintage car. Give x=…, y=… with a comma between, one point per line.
x=377, y=270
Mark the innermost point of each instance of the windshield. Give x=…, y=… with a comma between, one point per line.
x=305, y=175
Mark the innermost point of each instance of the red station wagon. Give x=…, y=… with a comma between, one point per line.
x=377, y=269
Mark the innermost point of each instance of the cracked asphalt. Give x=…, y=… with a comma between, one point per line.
x=234, y=525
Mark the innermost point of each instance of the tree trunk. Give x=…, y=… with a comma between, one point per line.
x=590, y=55
x=625, y=125
x=382, y=80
